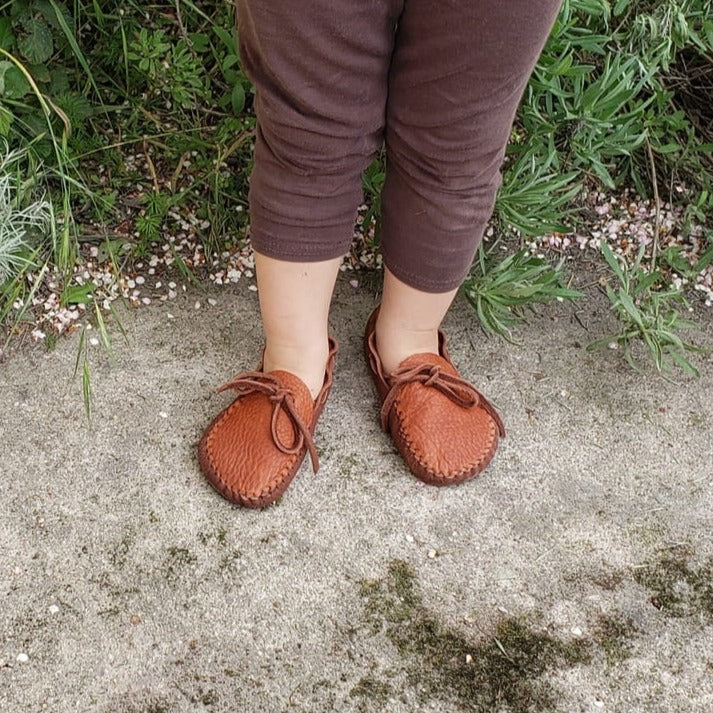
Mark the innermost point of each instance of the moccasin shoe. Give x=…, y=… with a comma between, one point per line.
x=253, y=448
x=445, y=429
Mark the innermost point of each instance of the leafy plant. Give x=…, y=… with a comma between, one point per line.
x=226, y=54
x=502, y=290
x=22, y=219
x=148, y=51
x=149, y=222
x=648, y=313
x=168, y=69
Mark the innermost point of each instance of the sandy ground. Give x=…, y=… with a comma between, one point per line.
x=575, y=575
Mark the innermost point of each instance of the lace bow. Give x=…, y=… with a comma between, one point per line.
x=281, y=397
x=454, y=387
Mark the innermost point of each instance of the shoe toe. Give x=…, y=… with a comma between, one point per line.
x=239, y=457
x=443, y=442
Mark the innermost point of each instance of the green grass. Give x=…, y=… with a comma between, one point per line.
x=648, y=313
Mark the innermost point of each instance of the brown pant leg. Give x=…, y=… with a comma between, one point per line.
x=458, y=73
x=320, y=71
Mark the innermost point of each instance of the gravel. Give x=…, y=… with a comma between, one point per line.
x=627, y=222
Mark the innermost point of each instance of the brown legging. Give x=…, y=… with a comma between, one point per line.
x=437, y=81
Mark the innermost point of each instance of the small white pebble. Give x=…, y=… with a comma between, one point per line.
x=252, y=288
x=197, y=305
x=432, y=554
x=146, y=300
x=94, y=342
x=131, y=284
x=140, y=280
x=468, y=658
x=212, y=302
x=23, y=658
x=576, y=631
x=163, y=414
x=158, y=285
x=599, y=704
x=54, y=609
x=409, y=538
x=169, y=315
x=354, y=283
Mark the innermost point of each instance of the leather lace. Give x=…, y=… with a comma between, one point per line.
x=454, y=387
x=256, y=381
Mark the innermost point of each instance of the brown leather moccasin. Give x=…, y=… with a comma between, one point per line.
x=252, y=449
x=445, y=429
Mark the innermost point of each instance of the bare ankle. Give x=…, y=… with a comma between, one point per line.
x=395, y=343
x=307, y=361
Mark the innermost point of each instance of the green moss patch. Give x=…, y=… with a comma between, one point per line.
x=177, y=560
x=504, y=670
x=614, y=635
x=372, y=690
x=678, y=588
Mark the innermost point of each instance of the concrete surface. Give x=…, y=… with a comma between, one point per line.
x=575, y=575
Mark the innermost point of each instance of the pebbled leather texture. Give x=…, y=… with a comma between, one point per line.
x=445, y=429
x=252, y=449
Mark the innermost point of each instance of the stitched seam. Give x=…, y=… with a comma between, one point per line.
x=414, y=277
x=422, y=460
x=282, y=476
x=299, y=249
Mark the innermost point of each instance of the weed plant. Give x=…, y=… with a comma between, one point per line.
x=502, y=290
x=648, y=312
x=600, y=111
x=23, y=219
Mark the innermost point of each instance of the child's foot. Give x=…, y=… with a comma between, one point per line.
x=445, y=429
x=252, y=450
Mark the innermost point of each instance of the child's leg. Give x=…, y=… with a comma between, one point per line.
x=458, y=73
x=294, y=301
x=408, y=320
x=320, y=70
